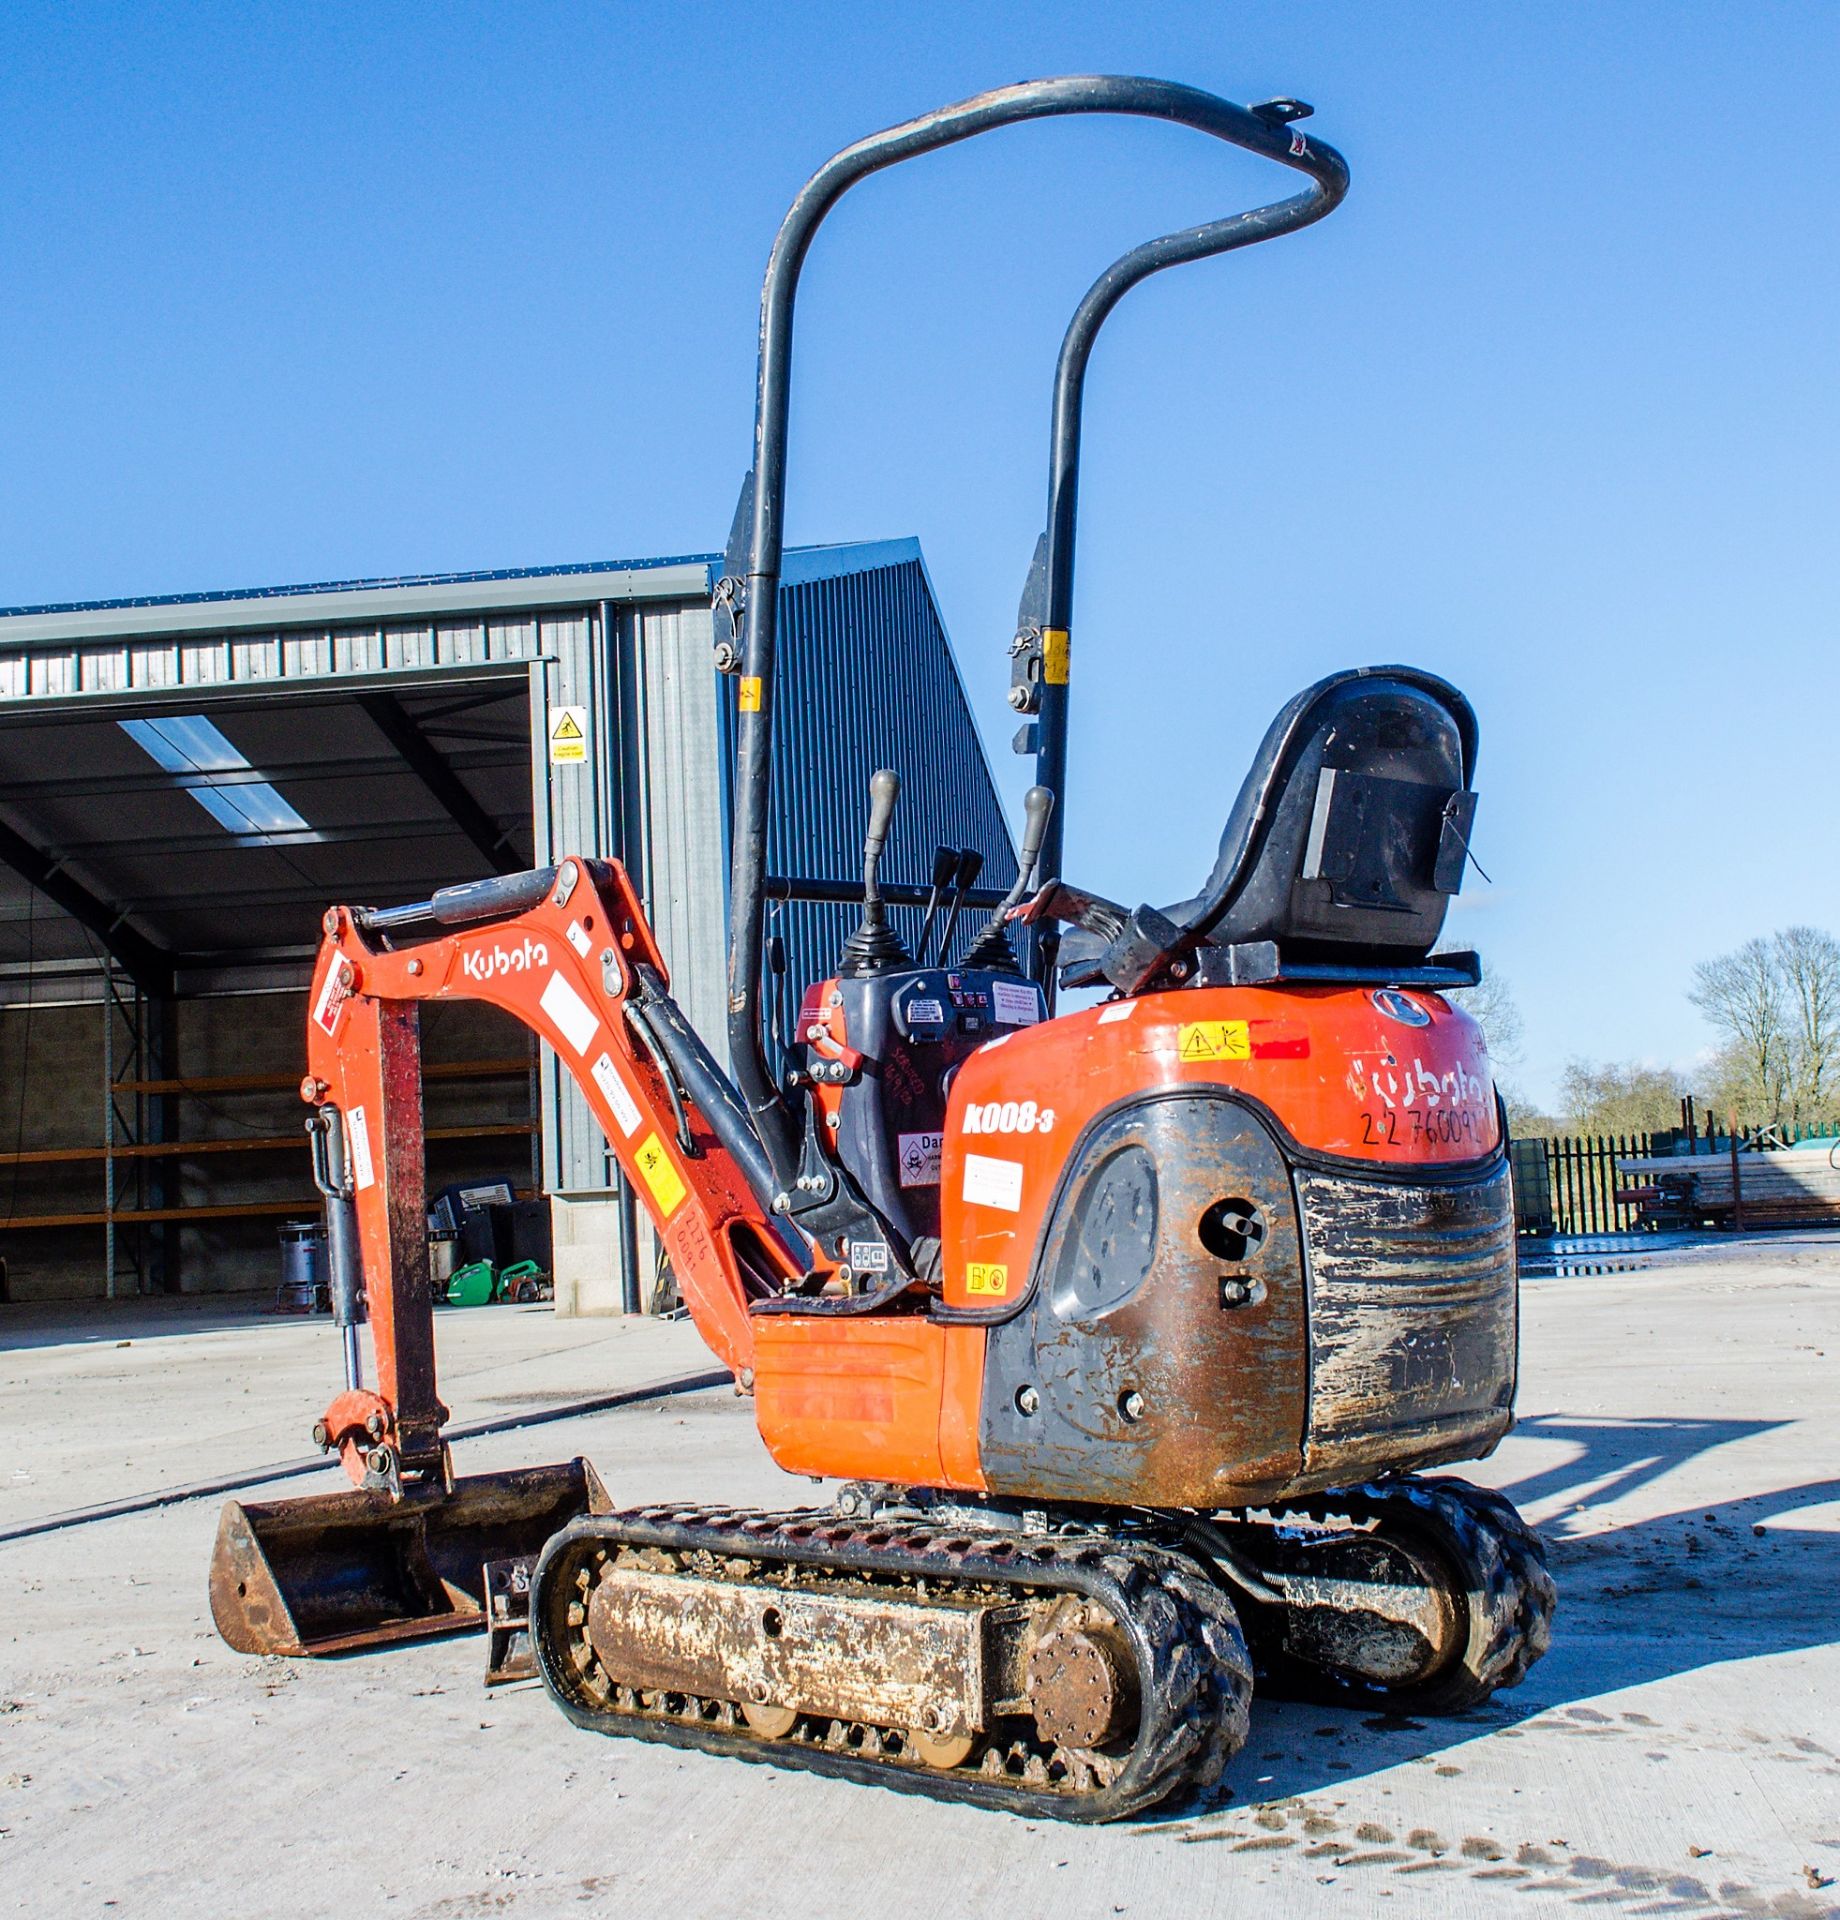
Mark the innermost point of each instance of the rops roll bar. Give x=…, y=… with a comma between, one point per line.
x=1262, y=130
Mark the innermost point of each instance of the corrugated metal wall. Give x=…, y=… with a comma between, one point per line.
x=164, y=662
x=867, y=680
x=685, y=882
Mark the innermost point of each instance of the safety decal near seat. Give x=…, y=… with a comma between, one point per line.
x=917, y=1158
x=1215, y=1040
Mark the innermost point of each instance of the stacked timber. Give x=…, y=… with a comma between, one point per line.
x=1784, y=1183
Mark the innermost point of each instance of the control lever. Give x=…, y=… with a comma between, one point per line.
x=945, y=863
x=992, y=948
x=875, y=946
x=970, y=865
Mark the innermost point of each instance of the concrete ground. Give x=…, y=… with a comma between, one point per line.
x=1678, y=1751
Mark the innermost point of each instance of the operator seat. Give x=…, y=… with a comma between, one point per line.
x=1339, y=858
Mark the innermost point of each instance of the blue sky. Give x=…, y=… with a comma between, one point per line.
x=1551, y=405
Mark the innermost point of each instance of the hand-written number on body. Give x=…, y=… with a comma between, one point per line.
x=1403, y=1105
x=1445, y=1125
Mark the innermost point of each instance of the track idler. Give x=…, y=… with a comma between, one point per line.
x=1077, y=1677
x=1427, y=1595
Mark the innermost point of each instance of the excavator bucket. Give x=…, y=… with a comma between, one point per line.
x=340, y=1572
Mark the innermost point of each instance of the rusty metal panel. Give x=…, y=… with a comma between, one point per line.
x=1412, y=1319
x=882, y=1659
x=1146, y=1368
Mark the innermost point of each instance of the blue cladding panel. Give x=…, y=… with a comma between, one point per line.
x=867, y=680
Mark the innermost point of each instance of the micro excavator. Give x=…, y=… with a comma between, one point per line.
x=1132, y=1397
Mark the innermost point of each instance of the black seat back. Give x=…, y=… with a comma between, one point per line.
x=1350, y=833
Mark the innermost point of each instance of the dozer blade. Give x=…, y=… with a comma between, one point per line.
x=337, y=1572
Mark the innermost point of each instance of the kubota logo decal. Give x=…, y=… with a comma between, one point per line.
x=1397, y=1086
x=492, y=963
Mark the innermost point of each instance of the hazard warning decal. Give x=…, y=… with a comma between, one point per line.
x=917, y=1158
x=663, y=1180
x=1203, y=1040
x=568, y=736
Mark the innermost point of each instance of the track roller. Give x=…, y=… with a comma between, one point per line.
x=1073, y=1676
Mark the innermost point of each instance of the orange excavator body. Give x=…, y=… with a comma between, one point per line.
x=1391, y=1081
x=1124, y=1322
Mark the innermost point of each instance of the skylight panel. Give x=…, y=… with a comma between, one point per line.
x=189, y=743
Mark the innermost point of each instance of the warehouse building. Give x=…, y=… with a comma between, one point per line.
x=186, y=783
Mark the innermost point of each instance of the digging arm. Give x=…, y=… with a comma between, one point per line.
x=567, y=951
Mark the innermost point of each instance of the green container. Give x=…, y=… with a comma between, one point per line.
x=524, y=1280
x=472, y=1286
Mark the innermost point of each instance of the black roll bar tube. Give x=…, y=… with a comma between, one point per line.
x=1050, y=641
x=1268, y=134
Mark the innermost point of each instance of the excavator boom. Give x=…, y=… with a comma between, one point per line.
x=566, y=950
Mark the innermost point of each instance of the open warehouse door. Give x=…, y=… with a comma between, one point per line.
x=163, y=865
x=187, y=784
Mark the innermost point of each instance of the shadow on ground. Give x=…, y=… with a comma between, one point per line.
x=1639, y=1602
x=1643, y=1601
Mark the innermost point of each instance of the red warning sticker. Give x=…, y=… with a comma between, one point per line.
x=333, y=995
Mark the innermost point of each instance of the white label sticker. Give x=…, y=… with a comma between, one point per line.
x=358, y=1142
x=925, y=1013
x=578, y=938
x=607, y=1078
x=1122, y=1011
x=868, y=1256
x=570, y=1012
x=1014, y=1003
x=993, y=1183
x=917, y=1158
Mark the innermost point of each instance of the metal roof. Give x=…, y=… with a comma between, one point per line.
x=410, y=596
x=390, y=719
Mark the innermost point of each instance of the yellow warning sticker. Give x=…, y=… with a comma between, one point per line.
x=750, y=693
x=1215, y=1040
x=568, y=736
x=1055, y=656
x=656, y=1170
x=987, y=1277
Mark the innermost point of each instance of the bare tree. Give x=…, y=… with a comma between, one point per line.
x=1808, y=968
x=1617, y=1096
x=1492, y=1006
x=1742, y=994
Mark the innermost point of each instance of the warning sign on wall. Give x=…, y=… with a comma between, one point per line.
x=568, y=736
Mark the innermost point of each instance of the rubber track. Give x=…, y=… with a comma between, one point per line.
x=1195, y=1675
x=1508, y=1592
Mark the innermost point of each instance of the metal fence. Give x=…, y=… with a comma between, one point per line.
x=1583, y=1182
x=1568, y=1183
